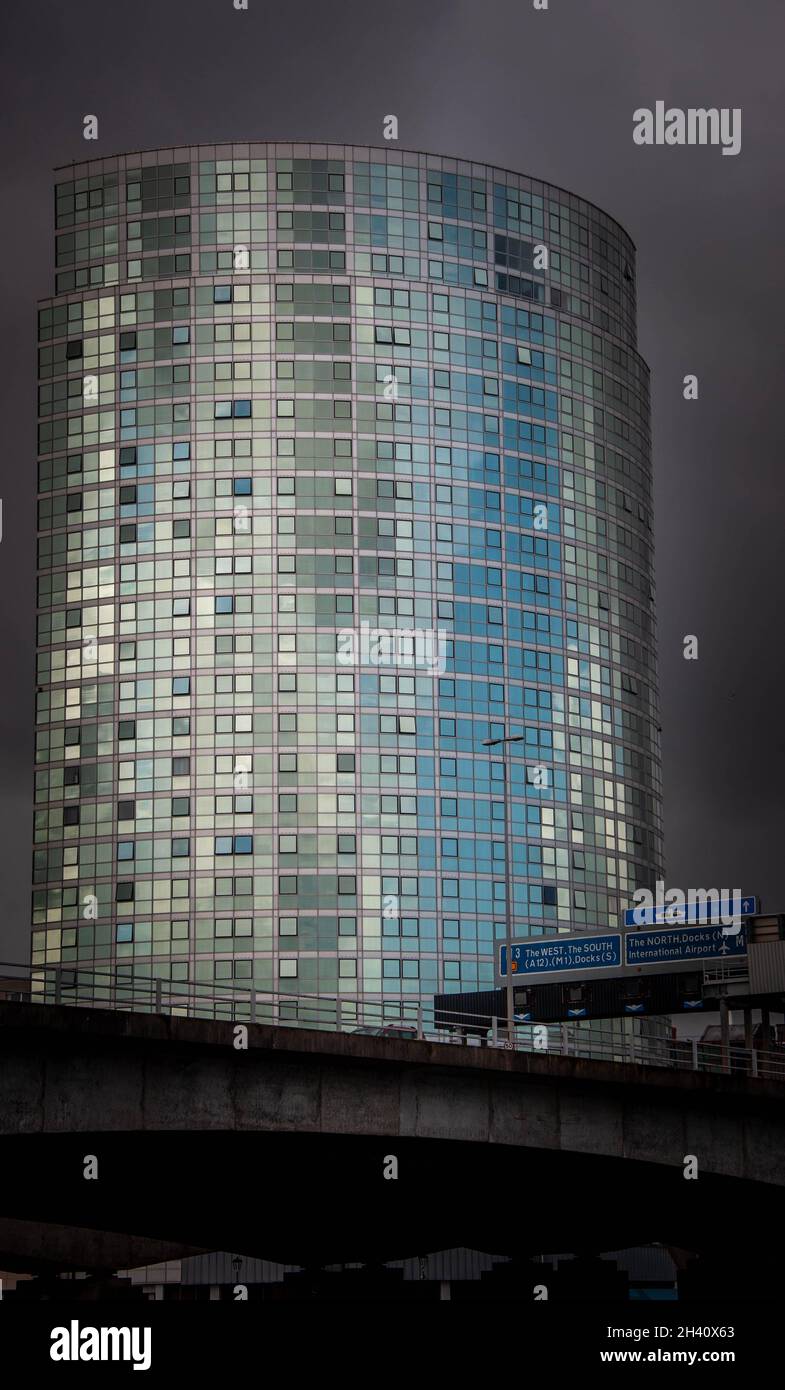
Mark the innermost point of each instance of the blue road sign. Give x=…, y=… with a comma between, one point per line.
x=668, y=944
x=706, y=913
x=576, y=953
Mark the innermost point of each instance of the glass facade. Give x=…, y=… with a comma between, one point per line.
x=344, y=469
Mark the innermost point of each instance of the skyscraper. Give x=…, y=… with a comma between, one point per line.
x=344, y=469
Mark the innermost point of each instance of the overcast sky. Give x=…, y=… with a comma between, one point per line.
x=551, y=94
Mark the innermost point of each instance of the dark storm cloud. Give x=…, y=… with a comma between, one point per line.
x=551, y=94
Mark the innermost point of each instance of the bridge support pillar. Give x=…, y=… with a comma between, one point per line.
x=725, y=1035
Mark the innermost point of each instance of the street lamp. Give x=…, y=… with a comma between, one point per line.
x=505, y=743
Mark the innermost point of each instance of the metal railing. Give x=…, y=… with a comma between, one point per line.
x=726, y=971
x=96, y=987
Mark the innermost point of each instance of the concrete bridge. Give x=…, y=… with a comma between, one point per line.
x=316, y=1146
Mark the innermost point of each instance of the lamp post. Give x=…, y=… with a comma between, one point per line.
x=508, y=927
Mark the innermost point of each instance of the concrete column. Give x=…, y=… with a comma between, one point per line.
x=748, y=1028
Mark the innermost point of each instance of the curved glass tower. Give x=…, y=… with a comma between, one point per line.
x=344, y=469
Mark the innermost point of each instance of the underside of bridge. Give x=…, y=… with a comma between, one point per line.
x=130, y=1139
x=322, y=1199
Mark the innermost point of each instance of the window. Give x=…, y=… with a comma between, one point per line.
x=227, y=410
x=233, y=844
